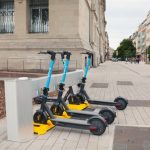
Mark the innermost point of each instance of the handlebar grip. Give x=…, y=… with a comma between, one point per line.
x=42, y=53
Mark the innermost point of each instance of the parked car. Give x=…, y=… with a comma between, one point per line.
x=114, y=59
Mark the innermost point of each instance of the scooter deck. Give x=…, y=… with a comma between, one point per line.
x=78, y=107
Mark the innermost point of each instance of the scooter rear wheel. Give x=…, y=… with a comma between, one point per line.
x=40, y=117
x=108, y=114
x=81, y=98
x=97, y=127
x=73, y=99
x=121, y=103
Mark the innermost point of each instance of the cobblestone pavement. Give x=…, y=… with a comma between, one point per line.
x=134, y=80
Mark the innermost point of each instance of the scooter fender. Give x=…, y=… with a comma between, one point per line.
x=97, y=117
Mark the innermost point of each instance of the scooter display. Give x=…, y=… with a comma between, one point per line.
x=60, y=106
x=95, y=124
x=82, y=98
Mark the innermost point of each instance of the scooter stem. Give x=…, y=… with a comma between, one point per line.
x=51, y=66
x=87, y=65
x=66, y=66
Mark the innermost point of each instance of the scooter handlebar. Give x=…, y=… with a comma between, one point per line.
x=48, y=52
x=63, y=54
x=52, y=53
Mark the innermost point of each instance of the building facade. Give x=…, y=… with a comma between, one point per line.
x=111, y=51
x=30, y=26
x=107, y=53
x=148, y=30
x=141, y=38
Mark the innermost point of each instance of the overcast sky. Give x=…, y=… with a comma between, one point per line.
x=123, y=18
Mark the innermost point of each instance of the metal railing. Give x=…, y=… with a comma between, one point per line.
x=33, y=65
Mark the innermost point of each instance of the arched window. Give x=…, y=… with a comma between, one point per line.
x=38, y=16
x=6, y=16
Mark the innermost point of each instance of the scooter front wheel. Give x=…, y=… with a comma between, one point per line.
x=108, y=114
x=121, y=103
x=40, y=117
x=97, y=126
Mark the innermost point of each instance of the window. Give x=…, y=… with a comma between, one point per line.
x=6, y=16
x=38, y=16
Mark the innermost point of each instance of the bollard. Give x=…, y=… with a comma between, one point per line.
x=19, y=110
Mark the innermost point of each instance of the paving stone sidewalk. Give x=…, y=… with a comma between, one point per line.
x=138, y=77
x=134, y=86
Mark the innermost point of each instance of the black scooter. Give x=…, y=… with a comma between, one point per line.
x=60, y=107
x=95, y=124
x=83, y=98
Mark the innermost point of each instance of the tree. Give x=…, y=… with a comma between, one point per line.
x=114, y=54
x=148, y=52
x=126, y=49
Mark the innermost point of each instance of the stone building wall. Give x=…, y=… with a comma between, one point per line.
x=74, y=25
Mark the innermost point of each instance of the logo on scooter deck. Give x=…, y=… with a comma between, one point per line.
x=65, y=115
x=41, y=129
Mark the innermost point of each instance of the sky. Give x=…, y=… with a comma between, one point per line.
x=123, y=18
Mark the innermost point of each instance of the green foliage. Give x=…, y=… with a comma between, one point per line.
x=126, y=49
x=114, y=54
x=148, y=52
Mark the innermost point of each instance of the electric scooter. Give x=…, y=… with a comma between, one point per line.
x=60, y=107
x=95, y=124
x=82, y=98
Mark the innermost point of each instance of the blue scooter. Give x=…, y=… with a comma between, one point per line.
x=95, y=124
x=82, y=98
